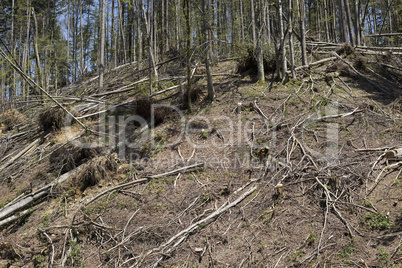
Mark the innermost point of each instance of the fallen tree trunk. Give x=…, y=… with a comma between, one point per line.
x=20, y=154
x=32, y=197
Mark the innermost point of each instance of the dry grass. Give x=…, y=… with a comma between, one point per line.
x=11, y=118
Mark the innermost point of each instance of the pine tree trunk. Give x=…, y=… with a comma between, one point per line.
x=206, y=31
x=303, y=32
x=357, y=22
x=178, y=30
x=122, y=57
x=2, y=87
x=26, y=50
x=68, y=42
x=81, y=41
x=167, y=44
x=139, y=34
x=282, y=41
x=349, y=22
x=292, y=55
x=101, y=62
x=241, y=21
x=233, y=21
x=188, y=39
x=253, y=31
x=342, y=22
x=326, y=22
x=38, y=67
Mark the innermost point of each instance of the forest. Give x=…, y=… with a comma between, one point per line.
x=59, y=42
x=205, y=133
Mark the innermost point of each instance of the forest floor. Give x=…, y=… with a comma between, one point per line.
x=305, y=173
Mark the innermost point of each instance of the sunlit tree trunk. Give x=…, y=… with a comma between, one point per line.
x=282, y=40
x=349, y=22
x=253, y=30
x=241, y=21
x=357, y=22
x=37, y=58
x=292, y=55
x=326, y=22
x=303, y=31
x=101, y=62
x=207, y=30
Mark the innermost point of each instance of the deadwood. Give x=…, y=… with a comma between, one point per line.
x=177, y=239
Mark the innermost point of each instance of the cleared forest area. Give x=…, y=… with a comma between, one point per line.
x=214, y=133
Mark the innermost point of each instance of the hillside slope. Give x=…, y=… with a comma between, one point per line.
x=301, y=174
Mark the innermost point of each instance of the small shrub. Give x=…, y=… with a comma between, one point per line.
x=51, y=118
x=377, y=221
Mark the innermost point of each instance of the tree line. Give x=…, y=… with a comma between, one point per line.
x=59, y=42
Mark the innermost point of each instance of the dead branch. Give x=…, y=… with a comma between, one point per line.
x=360, y=74
x=51, y=243
x=259, y=111
x=122, y=89
x=32, y=197
x=328, y=193
x=173, y=87
x=142, y=180
x=174, y=241
x=20, y=154
x=315, y=63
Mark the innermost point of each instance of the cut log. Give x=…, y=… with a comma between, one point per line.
x=20, y=154
x=28, y=200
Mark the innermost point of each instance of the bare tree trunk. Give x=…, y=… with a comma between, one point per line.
x=139, y=34
x=151, y=61
x=233, y=21
x=349, y=22
x=68, y=42
x=101, y=62
x=122, y=33
x=241, y=20
x=167, y=44
x=342, y=21
x=267, y=23
x=326, y=21
x=178, y=30
x=253, y=31
x=12, y=87
x=81, y=41
x=207, y=30
x=2, y=87
x=38, y=67
x=282, y=41
x=188, y=37
x=303, y=31
x=25, y=55
x=357, y=23
x=113, y=37
x=292, y=55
